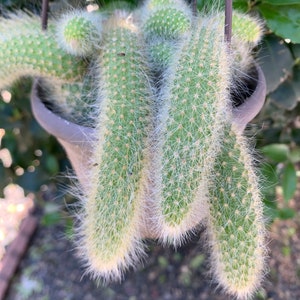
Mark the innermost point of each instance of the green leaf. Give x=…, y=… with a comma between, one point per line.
x=52, y=214
x=296, y=135
x=270, y=179
x=283, y=20
x=52, y=164
x=276, y=152
x=289, y=181
x=270, y=209
x=294, y=156
x=296, y=50
x=276, y=61
x=281, y=2
x=287, y=95
x=286, y=213
x=286, y=250
x=51, y=218
x=284, y=96
x=241, y=5
x=296, y=81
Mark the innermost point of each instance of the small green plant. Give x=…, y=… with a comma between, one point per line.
x=166, y=154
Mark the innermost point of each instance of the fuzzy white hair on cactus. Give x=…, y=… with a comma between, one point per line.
x=80, y=32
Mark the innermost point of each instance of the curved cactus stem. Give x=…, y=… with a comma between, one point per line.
x=192, y=111
x=28, y=51
x=235, y=220
x=113, y=211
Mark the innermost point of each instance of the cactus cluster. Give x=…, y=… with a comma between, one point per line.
x=155, y=84
x=194, y=107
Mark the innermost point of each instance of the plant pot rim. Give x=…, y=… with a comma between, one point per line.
x=57, y=126
x=77, y=139
x=77, y=134
x=253, y=104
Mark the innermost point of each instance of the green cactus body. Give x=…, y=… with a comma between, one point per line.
x=164, y=24
x=246, y=28
x=160, y=54
x=235, y=223
x=193, y=108
x=169, y=22
x=115, y=203
x=25, y=50
x=153, y=4
x=80, y=32
x=74, y=102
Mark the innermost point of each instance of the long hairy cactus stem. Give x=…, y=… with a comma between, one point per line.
x=192, y=109
x=235, y=222
x=25, y=50
x=115, y=200
x=79, y=32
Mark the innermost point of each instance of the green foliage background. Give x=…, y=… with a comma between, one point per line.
x=277, y=128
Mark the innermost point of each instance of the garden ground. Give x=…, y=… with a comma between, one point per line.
x=50, y=269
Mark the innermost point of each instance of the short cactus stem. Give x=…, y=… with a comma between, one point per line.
x=115, y=201
x=235, y=222
x=246, y=28
x=169, y=19
x=160, y=54
x=193, y=108
x=79, y=32
x=28, y=51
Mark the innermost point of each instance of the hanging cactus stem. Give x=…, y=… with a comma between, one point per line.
x=157, y=149
x=235, y=222
x=194, y=105
x=111, y=226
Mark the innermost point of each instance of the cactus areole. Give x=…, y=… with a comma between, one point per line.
x=150, y=106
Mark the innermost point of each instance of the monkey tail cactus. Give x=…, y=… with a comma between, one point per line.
x=113, y=209
x=192, y=110
x=28, y=51
x=164, y=23
x=235, y=220
x=80, y=32
x=246, y=29
x=160, y=165
x=168, y=19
